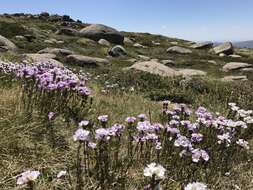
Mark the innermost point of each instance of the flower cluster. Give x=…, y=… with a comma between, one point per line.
x=48, y=76
x=154, y=170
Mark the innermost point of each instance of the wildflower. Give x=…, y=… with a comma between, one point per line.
x=196, y=186
x=102, y=134
x=81, y=135
x=154, y=170
x=130, y=119
x=61, y=174
x=27, y=176
x=83, y=123
x=198, y=153
x=142, y=117
x=182, y=141
x=243, y=143
x=103, y=118
x=92, y=145
x=224, y=138
x=196, y=137
x=158, y=146
x=50, y=115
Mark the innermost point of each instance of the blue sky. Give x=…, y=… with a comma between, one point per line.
x=199, y=20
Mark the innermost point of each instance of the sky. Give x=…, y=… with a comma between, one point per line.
x=196, y=20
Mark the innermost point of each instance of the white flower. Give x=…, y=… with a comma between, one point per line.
x=27, y=176
x=62, y=174
x=83, y=123
x=156, y=170
x=81, y=135
x=196, y=186
x=243, y=143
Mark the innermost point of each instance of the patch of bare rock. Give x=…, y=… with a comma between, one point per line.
x=180, y=50
x=226, y=48
x=6, y=44
x=234, y=78
x=154, y=67
x=82, y=60
x=56, y=51
x=236, y=66
x=202, y=45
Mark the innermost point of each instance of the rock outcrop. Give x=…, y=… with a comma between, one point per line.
x=7, y=44
x=154, y=67
x=226, y=48
x=82, y=60
x=99, y=31
x=56, y=51
x=180, y=50
x=236, y=66
x=202, y=45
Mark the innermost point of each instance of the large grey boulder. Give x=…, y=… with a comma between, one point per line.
x=82, y=60
x=236, y=66
x=99, y=31
x=226, y=48
x=7, y=44
x=56, y=51
x=154, y=67
x=117, y=51
x=180, y=50
x=45, y=58
x=202, y=45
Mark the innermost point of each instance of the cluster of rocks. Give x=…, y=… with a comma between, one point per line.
x=44, y=16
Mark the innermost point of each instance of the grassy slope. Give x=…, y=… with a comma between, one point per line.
x=23, y=142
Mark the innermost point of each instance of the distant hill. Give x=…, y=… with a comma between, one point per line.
x=244, y=44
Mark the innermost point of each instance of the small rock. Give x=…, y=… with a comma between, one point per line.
x=19, y=37
x=144, y=58
x=180, y=50
x=202, y=45
x=235, y=56
x=56, y=51
x=117, y=51
x=174, y=43
x=235, y=66
x=104, y=42
x=82, y=60
x=247, y=70
x=137, y=45
x=226, y=48
x=156, y=43
x=212, y=62
x=222, y=55
x=235, y=78
x=128, y=41
x=132, y=60
x=168, y=62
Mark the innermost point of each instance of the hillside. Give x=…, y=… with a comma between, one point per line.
x=58, y=75
x=244, y=44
